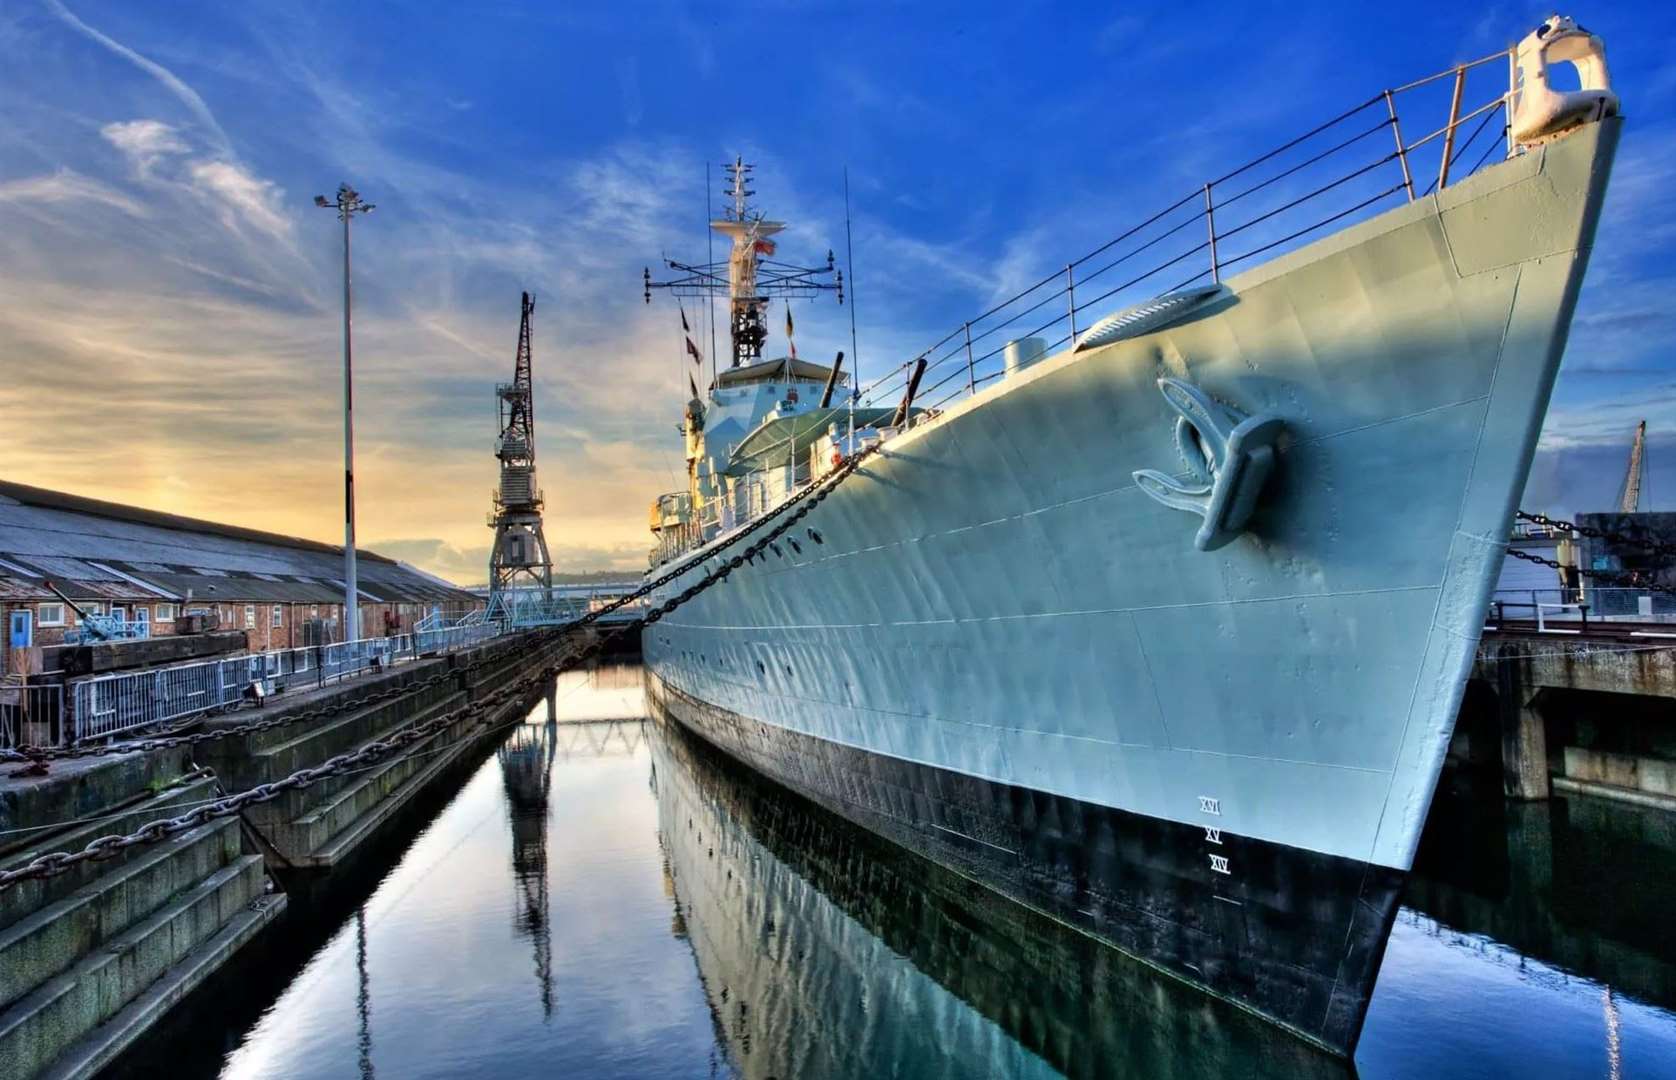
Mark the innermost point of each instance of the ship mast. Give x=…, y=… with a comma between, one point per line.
x=750, y=277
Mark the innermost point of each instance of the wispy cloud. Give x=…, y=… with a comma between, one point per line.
x=144, y=142
x=67, y=186
x=246, y=199
x=170, y=81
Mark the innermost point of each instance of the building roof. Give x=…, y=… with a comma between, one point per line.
x=107, y=551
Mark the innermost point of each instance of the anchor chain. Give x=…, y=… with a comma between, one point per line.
x=1654, y=546
x=1614, y=578
x=54, y=863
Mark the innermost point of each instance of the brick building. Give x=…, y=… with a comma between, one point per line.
x=149, y=567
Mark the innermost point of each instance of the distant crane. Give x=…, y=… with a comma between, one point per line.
x=1629, y=495
x=520, y=547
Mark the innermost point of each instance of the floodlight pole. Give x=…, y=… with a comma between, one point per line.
x=347, y=204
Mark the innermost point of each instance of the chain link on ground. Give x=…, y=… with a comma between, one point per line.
x=54, y=863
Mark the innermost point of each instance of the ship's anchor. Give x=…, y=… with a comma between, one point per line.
x=1228, y=454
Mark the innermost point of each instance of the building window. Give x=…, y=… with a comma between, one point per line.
x=250, y=616
x=278, y=617
x=165, y=613
x=50, y=614
x=92, y=607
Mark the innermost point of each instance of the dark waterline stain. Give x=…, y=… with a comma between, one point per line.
x=608, y=896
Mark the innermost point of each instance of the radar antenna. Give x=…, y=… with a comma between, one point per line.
x=520, y=548
x=750, y=277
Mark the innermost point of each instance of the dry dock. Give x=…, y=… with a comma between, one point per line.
x=93, y=956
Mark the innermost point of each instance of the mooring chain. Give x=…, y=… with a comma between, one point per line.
x=57, y=753
x=1655, y=546
x=1614, y=578
x=54, y=863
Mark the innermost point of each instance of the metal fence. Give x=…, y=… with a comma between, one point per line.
x=31, y=713
x=111, y=704
x=1570, y=607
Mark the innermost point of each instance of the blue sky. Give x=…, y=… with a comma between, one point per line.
x=168, y=292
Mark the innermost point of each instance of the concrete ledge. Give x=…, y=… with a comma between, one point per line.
x=1636, y=772
x=79, y=787
x=1608, y=791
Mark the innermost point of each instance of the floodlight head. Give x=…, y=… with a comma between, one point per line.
x=320, y=200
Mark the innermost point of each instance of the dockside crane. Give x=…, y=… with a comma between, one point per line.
x=520, y=547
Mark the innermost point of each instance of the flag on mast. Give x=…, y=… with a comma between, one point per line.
x=693, y=385
x=789, y=342
x=692, y=350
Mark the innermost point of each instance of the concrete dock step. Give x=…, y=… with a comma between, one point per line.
x=294, y=804
x=364, y=800
x=53, y=938
x=64, y=1010
x=280, y=752
x=99, y=1047
x=26, y=897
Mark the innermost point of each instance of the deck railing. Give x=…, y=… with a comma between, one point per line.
x=1340, y=171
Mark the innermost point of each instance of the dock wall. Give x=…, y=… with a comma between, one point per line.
x=92, y=958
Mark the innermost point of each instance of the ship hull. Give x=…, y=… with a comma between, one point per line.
x=1294, y=947
x=803, y=925
x=991, y=646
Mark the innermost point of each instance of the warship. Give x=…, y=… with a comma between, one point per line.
x=1147, y=597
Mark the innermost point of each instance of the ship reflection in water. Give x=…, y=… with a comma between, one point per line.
x=610, y=897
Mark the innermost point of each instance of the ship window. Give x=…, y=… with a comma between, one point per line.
x=761, y=670
x=788, y=670
x=816, y=537
x=795, y=546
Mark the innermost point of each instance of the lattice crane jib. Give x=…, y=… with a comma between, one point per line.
x=518, y=556
x=1629, y=492
x=750, y=277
